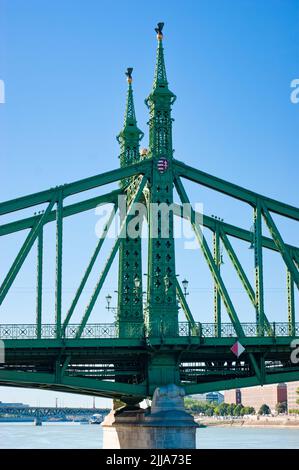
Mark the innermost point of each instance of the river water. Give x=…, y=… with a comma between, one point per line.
x=76, y=436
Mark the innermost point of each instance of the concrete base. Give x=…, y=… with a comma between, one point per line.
x=165, y=426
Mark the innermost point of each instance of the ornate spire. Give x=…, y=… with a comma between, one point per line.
x=160, y=84
x=160, y=102
x=130, y=117
x=160, y=72
x=130, y=134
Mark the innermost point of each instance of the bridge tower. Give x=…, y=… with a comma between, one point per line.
x=161, y=293
x=130, y=306
x=162, y=306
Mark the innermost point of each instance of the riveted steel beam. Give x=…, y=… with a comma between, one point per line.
x=88, y=270
x=67, y=383
x=58, y=289
x=233, y=231
x=233, y=190
x=39, y=287
x=185, y=306
x=291, y=303
x=280, y=245
x=217, y=296
x=67, y=211
x=75, y=187
x=227, y=384
x=258, y=267
x=26, y=247
x=104, y=273
x=211, y=263
x=241, y=273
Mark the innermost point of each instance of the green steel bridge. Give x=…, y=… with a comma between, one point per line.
x=44, y=413
x=147, y=346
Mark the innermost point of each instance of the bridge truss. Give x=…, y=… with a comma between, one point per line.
x=147, y=346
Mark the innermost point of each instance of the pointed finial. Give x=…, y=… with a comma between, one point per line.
x=158, y=30
x=129, y=74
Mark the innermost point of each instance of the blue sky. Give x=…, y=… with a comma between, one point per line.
x=230, y=63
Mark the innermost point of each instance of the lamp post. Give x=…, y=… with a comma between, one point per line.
x=137, y=283
x=166, y=282
x=185, y=287
x=108, y=300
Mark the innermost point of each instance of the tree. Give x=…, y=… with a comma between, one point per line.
x=281, y=407
x=238, y=410
x=197, y=406
x=264, y=410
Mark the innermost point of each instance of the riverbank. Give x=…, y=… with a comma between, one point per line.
x=250, y=422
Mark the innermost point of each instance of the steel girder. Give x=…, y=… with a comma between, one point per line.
x=289, y=253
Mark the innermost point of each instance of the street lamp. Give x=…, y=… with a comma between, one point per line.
x=221, y=257
x=185, y=286
x=137, y=282
x=108, y=300
x=252, y=238
x=166, y=282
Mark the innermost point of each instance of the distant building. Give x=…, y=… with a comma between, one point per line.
x=215, y=397
x=270, y=395
x=293, y=396
x=13, y=405
x=233, y=396
x=210, y=397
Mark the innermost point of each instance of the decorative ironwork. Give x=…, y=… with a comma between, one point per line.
x=139, y=330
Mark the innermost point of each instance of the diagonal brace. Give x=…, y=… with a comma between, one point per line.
x=210, y=261
x=21, y=256
x=111, y=258
x=281, y=245
x=88, y=270
x=185, y=306
x=240, y=271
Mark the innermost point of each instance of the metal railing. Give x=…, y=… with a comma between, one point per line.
x=139, y=330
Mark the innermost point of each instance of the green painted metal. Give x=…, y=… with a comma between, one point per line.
x=233, y=190
x=130, y=300
x=89, y=269
x=39, y=287
x=258, y=266
x=58, y=293
x=71, y=384
x=217, y=296
x=186, y=308
x=145, y=348
x=161, y=275
x=241, y=273
x=74, y=188
x=241, y=382
x=26, y=247
x=236, y=232
x=105, y=271
x=291, y=303
x=111, y=330
x=71, y=209
x=210, y=261
x=280, y=245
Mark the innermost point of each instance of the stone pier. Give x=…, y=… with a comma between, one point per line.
x=166, y=425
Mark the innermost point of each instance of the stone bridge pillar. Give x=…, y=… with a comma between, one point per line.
x=166, y=425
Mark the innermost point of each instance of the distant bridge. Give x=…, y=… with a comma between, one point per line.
x=41, y=412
